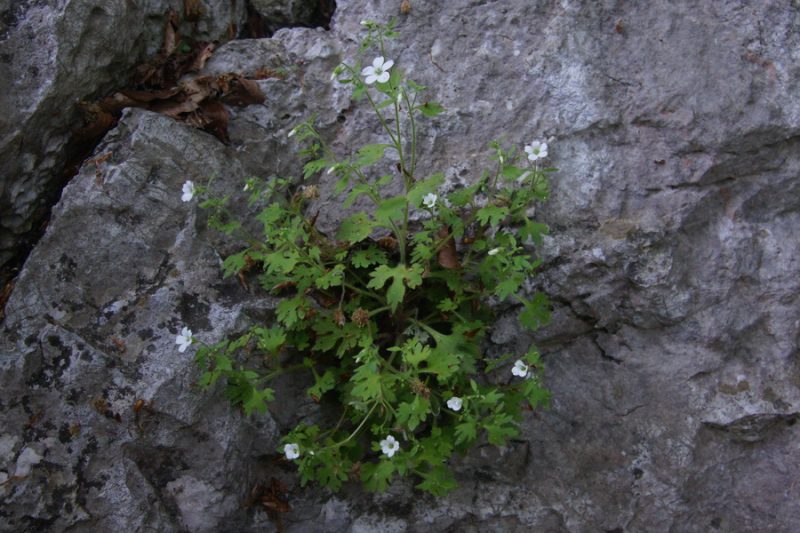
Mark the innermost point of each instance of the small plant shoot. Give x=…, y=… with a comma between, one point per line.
x=388, y=317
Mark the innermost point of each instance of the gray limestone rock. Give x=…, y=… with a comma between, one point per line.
x=55, y=54
x=672, y=264
x=103, y=426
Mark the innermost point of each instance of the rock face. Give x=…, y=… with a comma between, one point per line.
x=672, y=264
x=55, y=54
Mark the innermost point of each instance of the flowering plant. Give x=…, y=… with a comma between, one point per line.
x=388, y=316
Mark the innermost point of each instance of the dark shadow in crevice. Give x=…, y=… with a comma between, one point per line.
x=316, y=14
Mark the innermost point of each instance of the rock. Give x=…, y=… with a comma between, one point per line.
x=28, y=458
x=672, y=264
x=284, y=12
x=56, y=54
x=92, y=333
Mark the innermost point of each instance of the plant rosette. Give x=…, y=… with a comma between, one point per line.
x=389, y=329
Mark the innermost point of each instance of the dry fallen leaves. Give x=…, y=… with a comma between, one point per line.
x=169, y=84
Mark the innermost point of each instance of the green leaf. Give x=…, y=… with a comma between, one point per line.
x=510, y=172
x=534, y=231
x=370, y=154
x=401, y=277
x=367, y=381
x=358, y=190
x=354, y=228
x=412, y=414
x=446, y=305
x=436, y=448
x=464, y=196
x=452, y=353
x=332, y=278
x=312, y=167
x=390, y=210
x=491, y=214
x=535, y=393
x=466, y=431
x=241, y=390
x=507, y=287
x=234, y=263
x=431, y=109
x=270, y=339
x=271, y=214
x=376, y=476
x=257, y=401
x=288, y=310
x=415, y=353
x=281, y=261
x=500, y=428
x=536, y=312
x=368, y=256
x=424, y=187
x=323, y=384
x=439, y=481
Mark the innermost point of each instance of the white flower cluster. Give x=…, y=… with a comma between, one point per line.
x=292, y=451
x=536, y=150
x=184, y=340
x=378, y=71
x=429, y=200
x=455, y=403
x=520, y=369
x=189, y=191
x=389, y=446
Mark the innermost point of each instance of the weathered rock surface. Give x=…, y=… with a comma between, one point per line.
x=673, y=265
x=55, y=54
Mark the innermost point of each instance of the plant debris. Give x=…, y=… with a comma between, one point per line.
x=169, y=84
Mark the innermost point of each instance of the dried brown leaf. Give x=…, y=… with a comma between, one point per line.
x=170, y=31
x=243, y=92
x=148, y=96
x=174, y=108
x=193, y=10
x=98, y=126
x=448, y=255
x=216, y=118
x=202, y=56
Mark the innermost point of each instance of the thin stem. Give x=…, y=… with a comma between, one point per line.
x=363, y=292
x=280, y=371
x=354, y=433
x=380, y=117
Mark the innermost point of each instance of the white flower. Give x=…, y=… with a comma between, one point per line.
x=520, y=369
x=493, y=251
x=292, y=451
x=188, y=191
x=291, y=133
x=364, y=23
x=379, y=71
x=429, y=200
x=536, y=150
x=389, y=446
x=246, y=187
x=455, y=403
x=184, y=340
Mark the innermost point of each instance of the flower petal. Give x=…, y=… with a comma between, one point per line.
x=388, y=64
x=383, y=78
x=377, y=62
